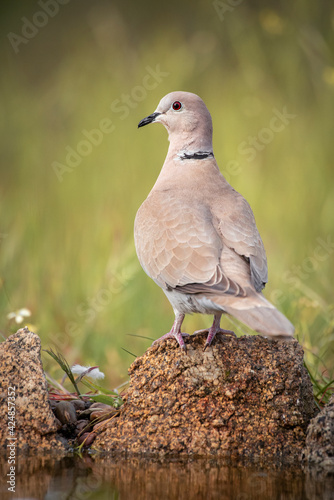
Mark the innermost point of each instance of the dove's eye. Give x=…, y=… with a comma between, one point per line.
x=176, y=105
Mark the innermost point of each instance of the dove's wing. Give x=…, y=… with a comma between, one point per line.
x=181, y=248
x=236, y=224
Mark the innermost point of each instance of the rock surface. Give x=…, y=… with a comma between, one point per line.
x=319, y=449
x=243, y=397
x=25, y=412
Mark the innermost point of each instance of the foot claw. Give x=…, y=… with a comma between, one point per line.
x=177, y=336
x=226, y=332
x=213, y=333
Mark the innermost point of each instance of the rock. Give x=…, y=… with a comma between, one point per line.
x=245, y=397
x=78, y=404
x=102, y=411
x=83, y=425
x=25, y=411
x=87, y=438
x=65, y=412
x=99, y=415
x=84, y=414
x=58, y=424
x=101, y=407
x=319, y=449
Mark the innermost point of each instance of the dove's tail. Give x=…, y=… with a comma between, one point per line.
x=260, y=315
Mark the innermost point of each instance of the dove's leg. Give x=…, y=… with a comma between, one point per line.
x=215, y=328
x=176, y=332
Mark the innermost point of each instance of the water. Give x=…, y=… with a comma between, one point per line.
x=98, y=478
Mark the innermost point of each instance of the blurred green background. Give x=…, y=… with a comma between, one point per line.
x=66, y=229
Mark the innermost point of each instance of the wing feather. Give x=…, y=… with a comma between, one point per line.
x=200, y=249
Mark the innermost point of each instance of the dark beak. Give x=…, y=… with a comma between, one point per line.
x=148, y=119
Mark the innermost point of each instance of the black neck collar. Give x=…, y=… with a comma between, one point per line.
x=199, y=155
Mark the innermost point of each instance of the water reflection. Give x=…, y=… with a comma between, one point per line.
x=104, y=478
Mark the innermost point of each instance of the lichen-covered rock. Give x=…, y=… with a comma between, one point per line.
x=319, y=449
x=243, y=397
x=26, y=419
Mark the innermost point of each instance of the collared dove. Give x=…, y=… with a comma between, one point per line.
x=196, y=237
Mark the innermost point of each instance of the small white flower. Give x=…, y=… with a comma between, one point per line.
x=92, y=373
x=19, y=315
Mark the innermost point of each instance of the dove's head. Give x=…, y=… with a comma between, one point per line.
x=187, y=121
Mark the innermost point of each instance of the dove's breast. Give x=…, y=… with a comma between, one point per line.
x=176, y=242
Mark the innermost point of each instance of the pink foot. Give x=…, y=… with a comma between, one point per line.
x=178, y=336
x=213, y=330
x=213, y=333
x=176, y=332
